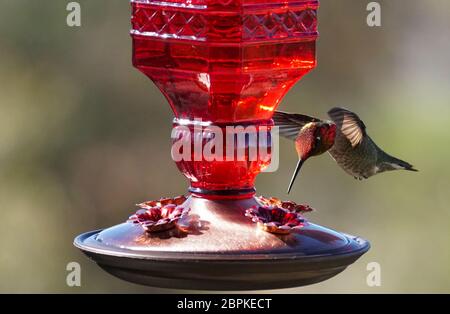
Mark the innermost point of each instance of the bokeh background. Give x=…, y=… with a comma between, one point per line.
x=84, y=136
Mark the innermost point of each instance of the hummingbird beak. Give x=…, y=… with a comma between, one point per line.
x=294, y=176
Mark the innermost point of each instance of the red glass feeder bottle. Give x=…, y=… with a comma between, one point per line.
x=222, y=63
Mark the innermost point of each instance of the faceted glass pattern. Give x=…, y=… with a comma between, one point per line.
x=224, y=60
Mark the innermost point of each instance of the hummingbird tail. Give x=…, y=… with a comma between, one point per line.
x=396, y=163
x=294, y=176
x=410, y=168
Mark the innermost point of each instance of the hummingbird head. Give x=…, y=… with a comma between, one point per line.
x=315, y=138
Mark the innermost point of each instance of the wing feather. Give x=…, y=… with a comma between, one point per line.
x=290, y=124
x=349, y=124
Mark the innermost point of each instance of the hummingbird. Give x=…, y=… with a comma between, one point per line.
x=344, y=137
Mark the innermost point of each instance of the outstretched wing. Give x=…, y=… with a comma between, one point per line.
x=349, y=124
x=290, y=124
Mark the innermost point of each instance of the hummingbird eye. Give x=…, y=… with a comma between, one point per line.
x=317, y=141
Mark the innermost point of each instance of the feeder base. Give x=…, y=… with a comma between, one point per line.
x=227, y=252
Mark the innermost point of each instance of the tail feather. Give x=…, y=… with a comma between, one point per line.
x=391, y=163
x=406, y=166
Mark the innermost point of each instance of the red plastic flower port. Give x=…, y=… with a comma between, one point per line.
x=163, y=202
x=162, y=215
x=289, y=205
x=275, y=219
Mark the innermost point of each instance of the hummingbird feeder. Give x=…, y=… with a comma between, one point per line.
x=222, y=64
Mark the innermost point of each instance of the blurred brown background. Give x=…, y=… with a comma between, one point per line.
x=84, y=136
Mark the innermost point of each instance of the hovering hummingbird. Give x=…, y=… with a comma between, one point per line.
x=345, y=138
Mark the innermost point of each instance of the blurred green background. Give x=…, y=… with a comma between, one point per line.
x=84, y=136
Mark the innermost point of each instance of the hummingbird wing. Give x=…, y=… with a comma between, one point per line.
x=349, y=124
x=353, y=150
x=290, y=124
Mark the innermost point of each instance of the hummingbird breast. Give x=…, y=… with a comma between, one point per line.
x=360, y=161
